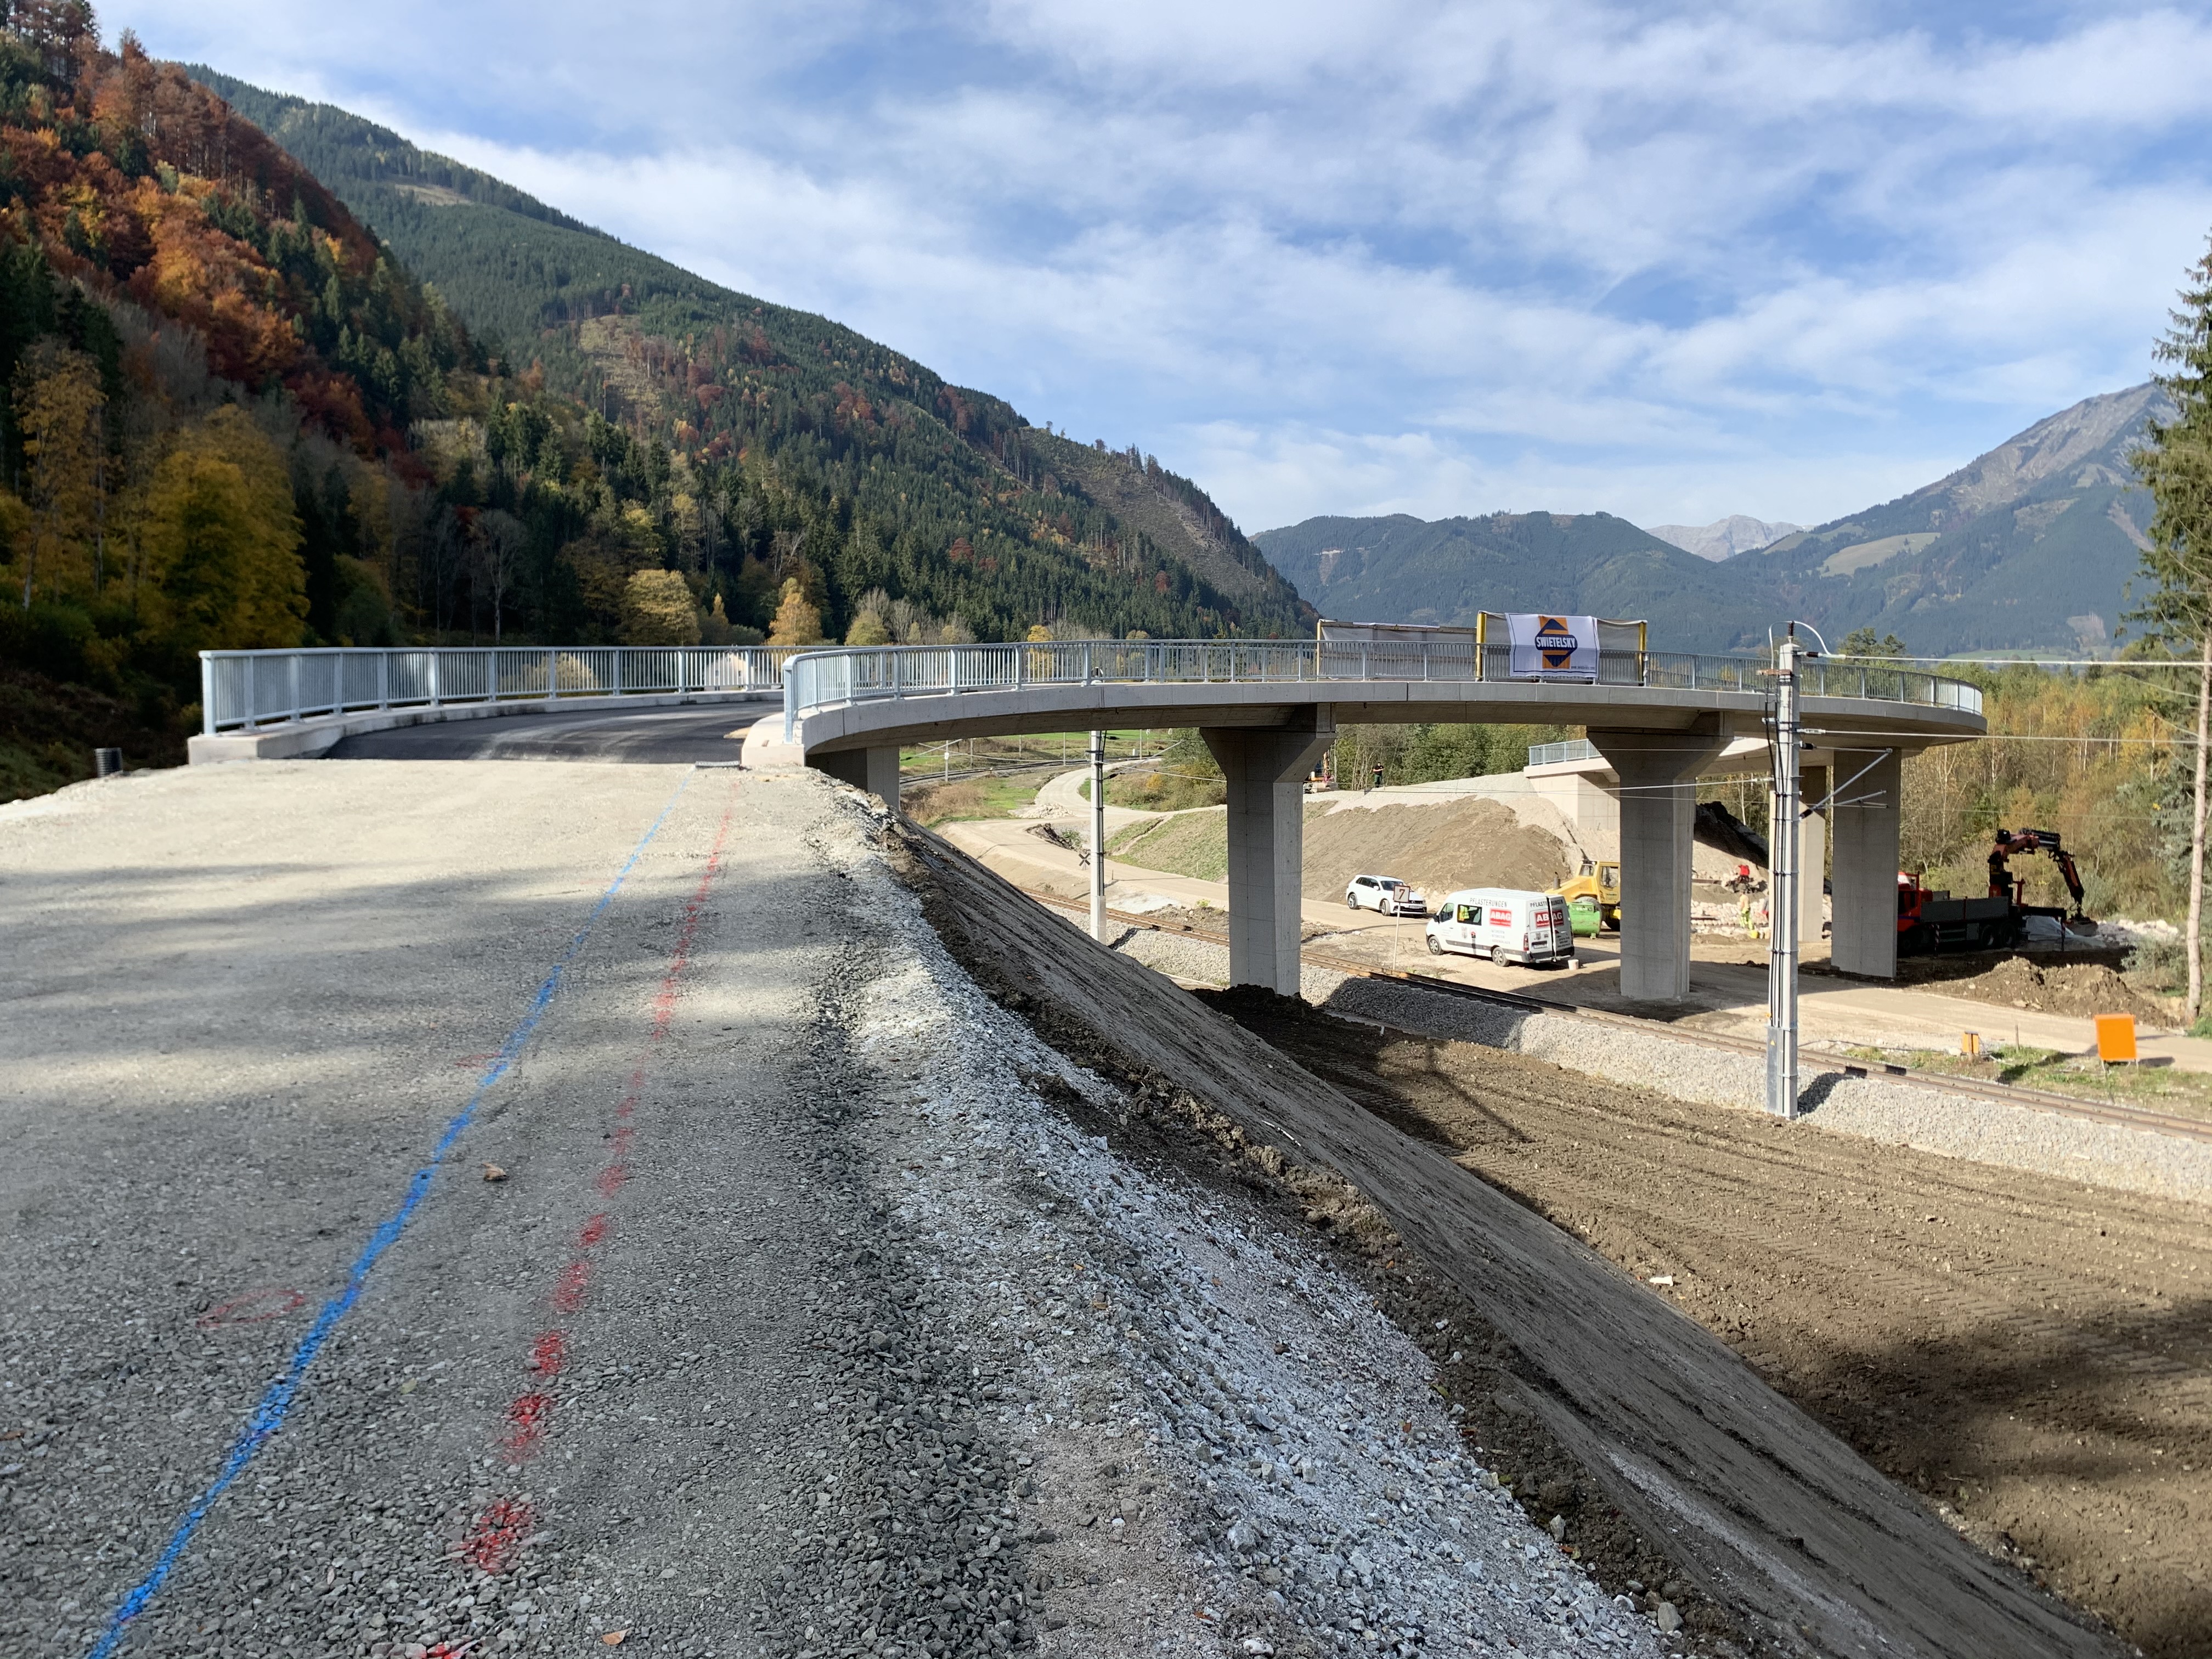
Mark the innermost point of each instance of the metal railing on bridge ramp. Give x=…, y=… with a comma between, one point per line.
x=245, y=688
x=825, y=679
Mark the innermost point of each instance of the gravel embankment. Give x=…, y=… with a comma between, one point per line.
x=1188, y=1383
x=1906, y=1114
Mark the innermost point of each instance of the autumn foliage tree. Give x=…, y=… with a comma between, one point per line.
x=657, y=610
x=221, y=540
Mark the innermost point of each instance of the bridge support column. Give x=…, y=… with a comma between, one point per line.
x=1658, y=773
x=1812, y=851
x=875, y=770
x=1266, y=768
x=1864, y=821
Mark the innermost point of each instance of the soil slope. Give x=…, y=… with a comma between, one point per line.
x=1463, y=843
x=2030, y=1354
x=1769, y=1513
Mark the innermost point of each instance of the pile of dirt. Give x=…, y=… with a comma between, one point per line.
x=1780, y=1527
x=2028, y=1354
x=2080, y=989
x=1461, y=843
x=1438, y=848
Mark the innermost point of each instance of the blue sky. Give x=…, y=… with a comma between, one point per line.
x=1786, y=259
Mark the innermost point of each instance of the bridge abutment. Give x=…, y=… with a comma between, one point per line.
x=1658, y=773
x=875, y=770
x=1266, y=768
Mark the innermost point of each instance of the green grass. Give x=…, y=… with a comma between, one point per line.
x=1191, y=844
x=990, y=797
x=2164, y=1087
x=1063, y=750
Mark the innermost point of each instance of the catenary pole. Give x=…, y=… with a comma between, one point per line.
x=1783, y=894
x=1098, y=836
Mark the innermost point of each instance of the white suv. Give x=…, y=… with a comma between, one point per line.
x=1386, y=894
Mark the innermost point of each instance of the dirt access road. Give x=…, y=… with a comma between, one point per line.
x=2035, y=1356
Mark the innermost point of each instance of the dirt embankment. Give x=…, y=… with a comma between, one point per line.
x=1792, y=1542
x=2033, y=1356
x=2052, y=985
x=1454, y=844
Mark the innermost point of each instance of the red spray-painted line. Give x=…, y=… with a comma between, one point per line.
x=498, y=1534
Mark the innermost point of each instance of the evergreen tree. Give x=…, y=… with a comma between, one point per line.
x=2175, y=461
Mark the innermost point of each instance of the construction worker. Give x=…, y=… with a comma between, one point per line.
x=1377, y=784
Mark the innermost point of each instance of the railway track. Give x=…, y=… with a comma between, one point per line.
x=2040, y=1100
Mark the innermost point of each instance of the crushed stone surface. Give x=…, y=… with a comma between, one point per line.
x=874, y=1348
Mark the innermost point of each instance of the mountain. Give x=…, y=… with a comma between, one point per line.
x=1404, y=569
x=2028, y=547
x=962, y=506
x=1724, y=539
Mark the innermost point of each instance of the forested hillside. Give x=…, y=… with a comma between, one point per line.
x=943, y=495
x=211, y=374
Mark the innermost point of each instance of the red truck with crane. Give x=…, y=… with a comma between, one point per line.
x=1927, y=921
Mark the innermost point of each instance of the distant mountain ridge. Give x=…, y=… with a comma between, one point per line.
x=1402, y=568
x=1723, y=538
x=2029, y=546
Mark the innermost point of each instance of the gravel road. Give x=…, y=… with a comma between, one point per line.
x=473, y=1209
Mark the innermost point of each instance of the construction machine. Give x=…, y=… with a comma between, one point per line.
x=1599, y=885
x=1928, y=921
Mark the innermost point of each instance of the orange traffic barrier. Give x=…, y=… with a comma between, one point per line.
x=2116, y=1038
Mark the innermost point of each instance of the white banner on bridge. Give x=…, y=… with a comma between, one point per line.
x=1553, y=647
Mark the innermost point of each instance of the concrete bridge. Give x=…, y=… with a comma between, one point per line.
x=1267, y=709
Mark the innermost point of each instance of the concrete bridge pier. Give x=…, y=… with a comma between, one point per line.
x=1864, y=821
x=1265, y=768
x=1812, y=787
x=875, y=770
x=1658, y=773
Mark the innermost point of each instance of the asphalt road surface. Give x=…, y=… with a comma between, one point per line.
x=674, y=736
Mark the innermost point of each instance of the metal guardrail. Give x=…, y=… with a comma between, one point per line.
x=822, y=679
x=1553, y=753
x=246, y=689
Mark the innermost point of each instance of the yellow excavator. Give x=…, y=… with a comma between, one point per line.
x=1598, y=887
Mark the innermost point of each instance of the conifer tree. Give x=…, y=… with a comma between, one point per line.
x=2175, y=461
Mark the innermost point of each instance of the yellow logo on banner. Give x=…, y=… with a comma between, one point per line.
x=1555, y=643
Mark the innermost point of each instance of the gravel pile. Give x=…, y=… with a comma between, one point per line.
x=1192, y=1429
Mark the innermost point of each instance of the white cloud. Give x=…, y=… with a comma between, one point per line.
x=1673, y=261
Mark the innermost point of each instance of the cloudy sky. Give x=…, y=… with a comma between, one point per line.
x=1671, y=262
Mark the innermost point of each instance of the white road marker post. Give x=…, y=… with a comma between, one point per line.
x=1098, y=836
x=1782, y=893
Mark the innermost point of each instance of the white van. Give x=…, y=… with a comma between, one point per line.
x=1504, y=924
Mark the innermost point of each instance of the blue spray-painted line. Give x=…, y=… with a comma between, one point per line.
x=276, y=1400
